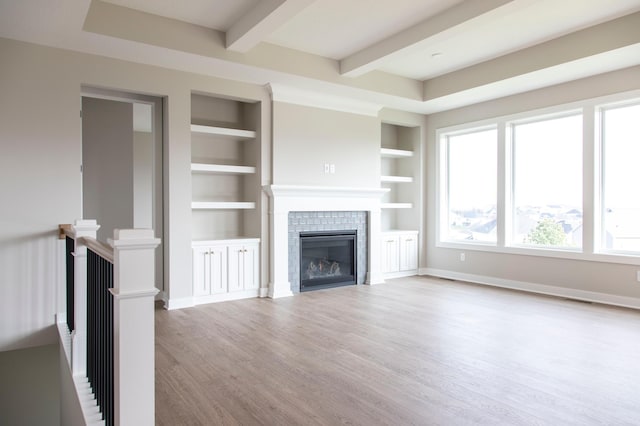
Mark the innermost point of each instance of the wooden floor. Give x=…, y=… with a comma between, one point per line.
x=414, y=351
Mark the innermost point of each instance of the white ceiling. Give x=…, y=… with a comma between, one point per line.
x=421, y=42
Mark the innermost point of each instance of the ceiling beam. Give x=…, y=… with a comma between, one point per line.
x=447, y=24
x=257, y=24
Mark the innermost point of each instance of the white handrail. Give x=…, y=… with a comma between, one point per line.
x=99, y=248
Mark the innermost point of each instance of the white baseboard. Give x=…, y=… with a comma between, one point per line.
x=264, y=292
x=391, y=275
x=225, y=297
x=282, y=293
x=184, y=302
x=570, y=293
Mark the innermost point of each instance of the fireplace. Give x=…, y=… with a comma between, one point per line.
x=327, y=259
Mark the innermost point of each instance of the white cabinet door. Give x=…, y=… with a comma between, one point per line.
x=201, y=271
x=243, y=267
x=390, y=254
x=218, y=269
x=408, y=252
x=236, y=267
x=251, y=269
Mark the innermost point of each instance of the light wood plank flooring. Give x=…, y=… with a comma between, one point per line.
x=415, y=351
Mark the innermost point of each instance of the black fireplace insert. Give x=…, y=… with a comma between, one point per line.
x=327, y=259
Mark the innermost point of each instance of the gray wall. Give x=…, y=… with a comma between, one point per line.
x=306, y=138
x=107, y=162
x=601, y=277
x=30, y=386
x=40, y=185
x=143, y=156
x=40, y=180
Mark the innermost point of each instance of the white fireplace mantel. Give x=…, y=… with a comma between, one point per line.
x=289, y=198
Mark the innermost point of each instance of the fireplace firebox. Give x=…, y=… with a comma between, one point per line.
x=327, y=259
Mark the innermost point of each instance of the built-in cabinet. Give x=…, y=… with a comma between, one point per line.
x=226, y=194
x=399, y=253
x=401, y=175
x=225, y=269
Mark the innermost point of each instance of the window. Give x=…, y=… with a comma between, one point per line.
x=547, y=182
x=620, y=177
x=471, y=186
x=536, y=184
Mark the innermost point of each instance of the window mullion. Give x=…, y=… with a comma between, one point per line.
x=591, y=181
x=503, y=201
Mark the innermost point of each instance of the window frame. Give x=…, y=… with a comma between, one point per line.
x=443, y=209
x=600, y=208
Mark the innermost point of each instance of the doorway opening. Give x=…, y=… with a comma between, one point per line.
x=122, y=174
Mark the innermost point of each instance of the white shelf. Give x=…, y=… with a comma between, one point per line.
x=222, y=205
x=396, y=205
x=223, y=131
x=396, y=179
x=221, y=168
x=395, y=153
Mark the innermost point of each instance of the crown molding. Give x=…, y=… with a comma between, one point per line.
x=293, y=95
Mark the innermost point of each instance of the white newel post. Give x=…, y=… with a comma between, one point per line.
x=133, y=315
x=81, y=228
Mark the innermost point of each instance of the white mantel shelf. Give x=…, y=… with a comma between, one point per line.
x=290, y=198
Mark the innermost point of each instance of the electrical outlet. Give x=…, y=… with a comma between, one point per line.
x=463, y=257
x=326, y=167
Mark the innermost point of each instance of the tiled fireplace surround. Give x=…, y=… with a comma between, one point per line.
x=326, y=221
x=314, y=205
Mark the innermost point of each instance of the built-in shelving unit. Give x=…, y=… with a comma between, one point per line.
x=225, y=152
x=225, y=202
x=401, y=219
x=398, y=173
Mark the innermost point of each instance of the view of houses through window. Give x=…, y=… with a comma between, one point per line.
x=543, y=190
x=472, y=185
x=547, y=182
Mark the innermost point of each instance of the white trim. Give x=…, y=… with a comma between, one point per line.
x=274, y=293
x=264, y=292
x=297, y=96
x=400, y=274
x=181, y=303
x=225, y=297
x=571, y=293
x=288, y=198
x=133, y=294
